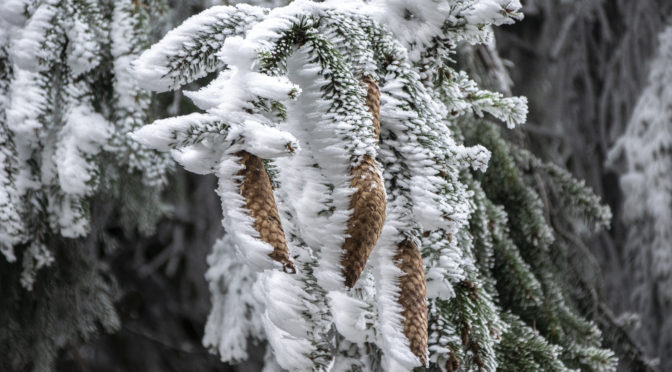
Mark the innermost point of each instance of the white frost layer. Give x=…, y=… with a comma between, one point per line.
x=496, y=12
x=264, y=141
x=154, y=68
x=27, y=100
x=280, y=19
x=167, y=134
x=13, y=11
x=69, y=215
x=199, y=141
x=236, y=308
x=270, y=363
x=444, y=267
x=214, y=134
x=286, y=328
x=416, y=22
x=31, y=48
x=429, y=208
x=418, y=29
x=82, y=136
x=316, y=179
x=315, y=182
x=351, y=316
x=11, y=224
x=201, y=158
x=244, y=83
x=397, y=355
x=27, y=104
x=213, y=94
x=237, y=221
x=121, y=33
x=83, y=47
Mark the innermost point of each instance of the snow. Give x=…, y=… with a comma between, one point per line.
x=26, y=100
x=309, y=319
x=155, y=69
x=283, y=295
x=236, y=220
x=84, y=50
x=262, y=35
x=290, y=352
x=414, y=23
x=214, y=93
x=423, y=187
x=264, y=141
x=444, y=266
x=236, y=308
x=316, y=179
x=11, y=225
x=496, y=12
x=327, y=117
x=165, y=134
x=464, y=95
x=13, y=11
x=33, y=48
x=396, y=353
x=82, y=136
x=207, y=143
x=351, y=317
x=121, y=34
x=69, y=216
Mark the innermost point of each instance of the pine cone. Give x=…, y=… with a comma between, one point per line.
x=259, y=201
x=367, y=203
x=413, y=297
x=373, y=102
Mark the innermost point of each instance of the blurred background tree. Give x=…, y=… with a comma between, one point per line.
x=583, y=65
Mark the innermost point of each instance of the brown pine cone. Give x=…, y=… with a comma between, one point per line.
x=373, y=102
x=367, y=203
x=259, y=201
x=413, y=297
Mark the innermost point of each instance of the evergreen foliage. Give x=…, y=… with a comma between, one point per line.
x=290, y=91
x=644, y=154
x=583, y=65
x=67, y=102
x=60, y=121
x=320, y=120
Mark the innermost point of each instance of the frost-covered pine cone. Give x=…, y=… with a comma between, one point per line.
x=256, y=188
x=367, y=202
x=413, y=297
